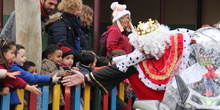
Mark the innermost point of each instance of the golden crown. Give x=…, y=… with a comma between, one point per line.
x=147, y=27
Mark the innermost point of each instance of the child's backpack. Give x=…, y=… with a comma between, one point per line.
x=103, y=43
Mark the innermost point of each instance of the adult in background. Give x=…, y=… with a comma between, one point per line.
x=65, y=26
x=87, y=18
x=117, y=38
x=46, y=6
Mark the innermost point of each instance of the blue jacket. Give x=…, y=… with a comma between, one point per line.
x=84, y=69
x=29, y=78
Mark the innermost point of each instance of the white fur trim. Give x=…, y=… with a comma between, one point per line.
x=121, y=14
x=147, y=82
x=186, y=46
x=113, y=5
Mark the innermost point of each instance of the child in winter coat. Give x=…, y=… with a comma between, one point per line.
x=52, y=59
x=67, y=58
x=67, y=64
x=87, y=62
x=32, y=68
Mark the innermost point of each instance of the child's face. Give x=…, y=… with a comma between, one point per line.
x=20, y=58
x=32, y=69
x=10, y=54
x=56, y=57
x=68, y=60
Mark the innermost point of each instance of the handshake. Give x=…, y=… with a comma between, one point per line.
x=57, y=79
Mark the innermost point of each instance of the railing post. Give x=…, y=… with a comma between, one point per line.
x=121, y=94
x=129, y=104
x=96, y=95
x=45, y=95
x=86, y=97
x=39, y=99
x=5, y=102
x=56, y=97
x=32, y=101
x=67, y=95
x=77, y=96
x=113, y=99
x=105, y=102
x=20, y=93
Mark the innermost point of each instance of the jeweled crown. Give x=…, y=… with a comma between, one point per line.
x=147, y=27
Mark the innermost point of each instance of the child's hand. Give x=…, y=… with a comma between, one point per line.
x=12, y=75
x=69, y=72
x=25, y=103
x=5, y=91
x=33, y=89
x=55, y=78
x=72, y=80
x=84, y=85
x=66, y=73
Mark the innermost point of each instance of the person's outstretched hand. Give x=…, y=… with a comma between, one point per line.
x=33, y=89
x=5, y=91
x=12, y=75
x=72, y=80
x=55, y=78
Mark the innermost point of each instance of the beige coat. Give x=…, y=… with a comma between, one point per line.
x=50, y=68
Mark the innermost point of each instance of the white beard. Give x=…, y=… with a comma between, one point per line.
x=153, y=43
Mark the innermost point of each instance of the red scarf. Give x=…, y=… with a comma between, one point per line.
x=42, y=10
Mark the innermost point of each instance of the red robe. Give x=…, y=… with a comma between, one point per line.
x=157, y=71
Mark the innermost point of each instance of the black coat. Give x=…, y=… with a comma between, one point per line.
x=61, y=31
x=85, y=39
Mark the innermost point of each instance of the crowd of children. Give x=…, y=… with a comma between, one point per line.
x=57, y=62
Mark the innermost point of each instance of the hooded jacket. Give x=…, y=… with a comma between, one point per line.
x=60, y=30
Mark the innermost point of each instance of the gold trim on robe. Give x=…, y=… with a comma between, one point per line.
x=166, y=70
